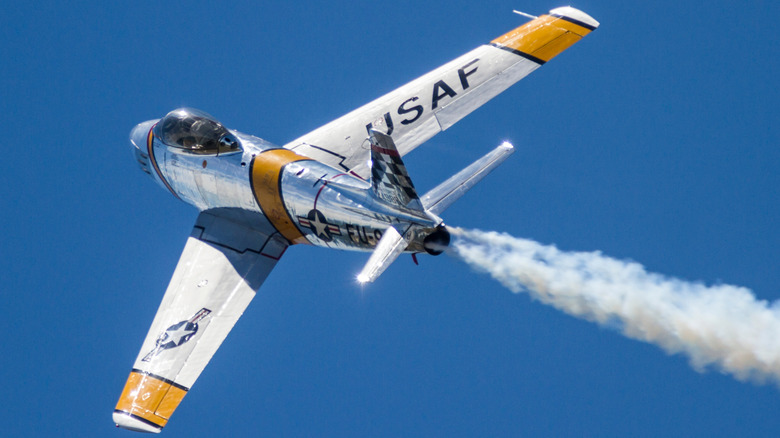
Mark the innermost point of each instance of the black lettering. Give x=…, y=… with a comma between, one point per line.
x=362, y=236
x=463, y=74
x=351, y=232
x=403, y=110
x=377, y=235
x=389, y=123
x=447, y=91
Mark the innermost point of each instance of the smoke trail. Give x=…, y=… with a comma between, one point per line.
x=721, y=326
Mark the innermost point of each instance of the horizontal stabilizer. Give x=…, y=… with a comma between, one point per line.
x=441, y=197
x=390, y=246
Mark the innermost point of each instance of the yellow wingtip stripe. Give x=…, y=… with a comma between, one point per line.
x=149, y=398
x=543, y=38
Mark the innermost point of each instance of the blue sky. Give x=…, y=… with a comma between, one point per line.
x=653, y=139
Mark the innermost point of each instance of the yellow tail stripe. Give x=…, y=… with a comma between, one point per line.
x=149, y=398
x=266, y=174
x=542, y=38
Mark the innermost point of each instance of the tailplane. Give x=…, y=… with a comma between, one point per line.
x=441, y=197
x=390, y=246
x=390, y=182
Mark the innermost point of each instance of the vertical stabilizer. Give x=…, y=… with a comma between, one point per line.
x=389, y=179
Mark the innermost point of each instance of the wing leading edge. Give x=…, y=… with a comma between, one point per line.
x=417, y=111
x=222, y=266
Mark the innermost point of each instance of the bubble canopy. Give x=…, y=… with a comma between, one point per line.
x=193, y=131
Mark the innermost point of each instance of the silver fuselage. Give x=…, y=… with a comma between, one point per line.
x=304, y=200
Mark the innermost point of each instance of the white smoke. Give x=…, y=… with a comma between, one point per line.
x=719, y=326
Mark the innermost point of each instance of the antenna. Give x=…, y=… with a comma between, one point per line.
x=533, y=17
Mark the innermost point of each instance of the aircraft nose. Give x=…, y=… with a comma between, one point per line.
x=139, y=134
x=138, y=138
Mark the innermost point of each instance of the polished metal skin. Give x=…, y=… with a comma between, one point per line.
x=343, y=185
x=328, y=207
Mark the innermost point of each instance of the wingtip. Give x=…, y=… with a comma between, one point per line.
x=128, y=422
x=575, y=14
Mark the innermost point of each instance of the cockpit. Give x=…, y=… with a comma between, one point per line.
x=193, y=131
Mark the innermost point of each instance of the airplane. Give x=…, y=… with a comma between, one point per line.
x=343, y=185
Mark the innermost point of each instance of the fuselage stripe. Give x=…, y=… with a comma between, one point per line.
x=265, y=177
x=150, y=148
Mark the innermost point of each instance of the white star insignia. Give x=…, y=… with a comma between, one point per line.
x=178, y=334
x=320, y=228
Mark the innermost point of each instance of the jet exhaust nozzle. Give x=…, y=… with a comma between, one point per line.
x=436, y=242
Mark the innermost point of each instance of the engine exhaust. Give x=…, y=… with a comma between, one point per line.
x=438, y=241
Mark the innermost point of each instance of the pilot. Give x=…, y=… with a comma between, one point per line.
x=176, y=130
x=197, y=132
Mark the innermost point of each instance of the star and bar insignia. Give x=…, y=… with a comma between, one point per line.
x=316, y=222
x=177, y=334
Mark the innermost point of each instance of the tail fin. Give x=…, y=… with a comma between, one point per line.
x=389, y=178
x=441, y=197
x=390, y=182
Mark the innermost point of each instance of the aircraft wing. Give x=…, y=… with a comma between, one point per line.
x=221, y=267
x=417, y=111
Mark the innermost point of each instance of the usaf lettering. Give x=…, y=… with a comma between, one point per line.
x=441, y=89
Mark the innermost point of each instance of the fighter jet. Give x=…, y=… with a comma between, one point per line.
x=343, y=185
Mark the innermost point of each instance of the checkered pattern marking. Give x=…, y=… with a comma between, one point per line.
x=388, y=173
